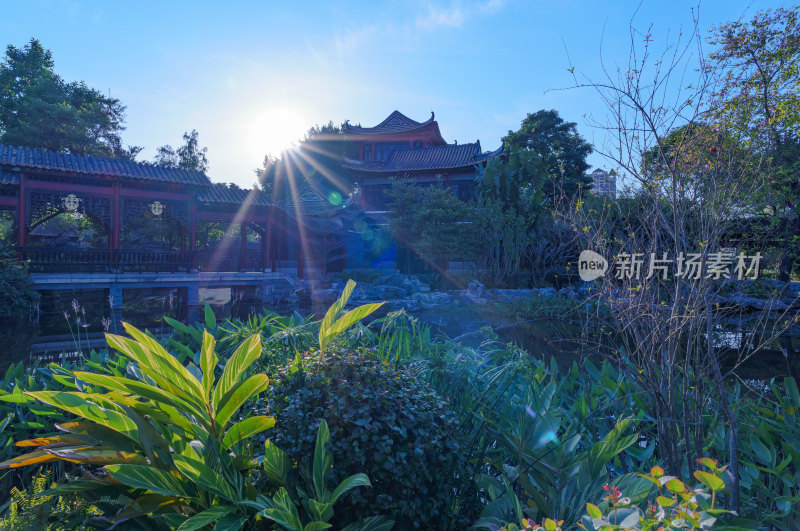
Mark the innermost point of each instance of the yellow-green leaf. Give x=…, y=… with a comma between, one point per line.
x=276, y=464
x=593, y=510
x=230, y=403
x=33, y=458
x=87, y=406
x=151, y=368
x=238, y=363
x=208, y=363
x=152, y=479
x=663, y=501
x=205, y=478
x=170, y=367
x=97, y=456
x=202, y=519
x=348, y=320
x=675, y=485
x=138, y=389
x=247, y=428
x=709, y=480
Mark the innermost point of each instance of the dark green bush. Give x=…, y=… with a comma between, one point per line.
x=16, y=288
x=385, y=422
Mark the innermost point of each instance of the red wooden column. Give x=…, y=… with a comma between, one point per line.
x=243, y=254
x=324, y=256
x=116, y=209
x=193, y=230
x=22, y=212
x=300, y=257
x=116, y=220
x=268, y=242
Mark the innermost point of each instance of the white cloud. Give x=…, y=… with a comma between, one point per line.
x=354, y=40
x=438, y=16
x=454, y=14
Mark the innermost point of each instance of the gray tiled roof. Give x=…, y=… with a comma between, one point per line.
x=446, y=157
x=42, y=159
x=8, y=177
x=220, y=193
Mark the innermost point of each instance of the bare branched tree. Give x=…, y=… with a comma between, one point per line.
x=692, y=178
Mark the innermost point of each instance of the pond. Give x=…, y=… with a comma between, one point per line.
x=79, y=325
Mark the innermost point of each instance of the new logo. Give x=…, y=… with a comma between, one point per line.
x=591, y=265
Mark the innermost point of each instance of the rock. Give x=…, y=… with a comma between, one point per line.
x=476, y=288
x=326, y=296
x=394, y=279
x=741, y=300
x=786, y=288
x=409, y=285
x=472, y=299
x=511, y=295
x=415, y=285
x=389, y=292
x=568, y=292
x=546, y=292
x=434, y=298
x=410, y=305
x=338, y=286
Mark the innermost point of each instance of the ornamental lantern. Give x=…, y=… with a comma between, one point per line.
x=157, y=208
x=71, y=203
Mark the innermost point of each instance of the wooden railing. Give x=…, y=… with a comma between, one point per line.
x=81, y=260
x=213, y=260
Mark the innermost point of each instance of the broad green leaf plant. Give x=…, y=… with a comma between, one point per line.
x=317, y=501
x=335, y=323
x=165, y=435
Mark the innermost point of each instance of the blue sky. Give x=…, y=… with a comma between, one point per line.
x=251, y=76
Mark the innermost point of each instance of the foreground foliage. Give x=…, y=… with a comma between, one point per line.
x=216, y=425
x=385, y=421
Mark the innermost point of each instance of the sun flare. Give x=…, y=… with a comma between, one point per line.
x=275, y=130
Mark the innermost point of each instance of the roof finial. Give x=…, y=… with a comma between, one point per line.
x=432, y=116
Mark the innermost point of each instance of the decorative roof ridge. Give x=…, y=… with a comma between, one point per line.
x=223, y=193
x=395, y=115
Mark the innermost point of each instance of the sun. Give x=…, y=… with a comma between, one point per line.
x=275, y=130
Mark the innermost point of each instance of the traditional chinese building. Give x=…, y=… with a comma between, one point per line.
x=400, y=147
x=112, y=230
x=106, y=223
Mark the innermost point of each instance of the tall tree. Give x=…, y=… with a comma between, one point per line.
x=511, y=202
x=433, y=224
x=758, y=97
x=39, y=109
x=190, y=156
x=559, y=146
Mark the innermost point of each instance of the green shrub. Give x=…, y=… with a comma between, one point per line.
x=166, y=437
x=32, y=509
x=16, y=288
x=384, y=422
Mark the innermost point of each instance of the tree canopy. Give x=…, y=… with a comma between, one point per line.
x=757, y=98
x=190, y=156
x=39, y=109
x=561, y=149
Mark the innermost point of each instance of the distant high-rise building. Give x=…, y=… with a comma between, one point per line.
x=604, y=183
